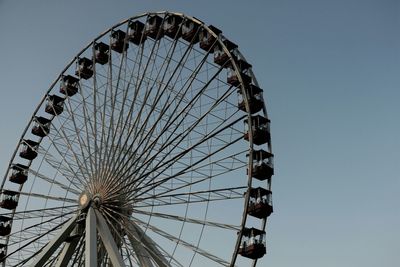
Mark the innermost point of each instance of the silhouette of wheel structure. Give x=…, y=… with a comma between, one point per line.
x=151, y=148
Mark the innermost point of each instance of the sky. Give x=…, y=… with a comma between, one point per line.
x=330, y=74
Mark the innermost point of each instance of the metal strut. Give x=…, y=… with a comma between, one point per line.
x=90, y=239
x=69, y=249
x=141, y=253
x=55, y=243
x=95, y=223
x=108, y=241
x=147, y=244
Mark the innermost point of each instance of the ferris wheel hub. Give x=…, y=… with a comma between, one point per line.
x=84, y=199
x=97, y=200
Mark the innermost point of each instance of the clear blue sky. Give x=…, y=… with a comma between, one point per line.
x=331, y=75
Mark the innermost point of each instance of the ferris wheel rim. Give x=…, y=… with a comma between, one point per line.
x=89, y=46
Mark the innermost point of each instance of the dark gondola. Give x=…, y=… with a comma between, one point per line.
x=9, y=199
x=253, y=243
x=84, y=68
x=207, y=40
x=29, y=149
x=41, y=126
x=190, y=31
x=101, y=52
x=55, y=105
x=5, y=225
x=260, y=204
x=135, y=33
x=220, y=56
x=19, y=173
x=153, y=28
x=259, y=130
x=243, y=68
x=254, y=96
x=262, y=166
x=118, y=42
x=69, y=85
x=172, y=26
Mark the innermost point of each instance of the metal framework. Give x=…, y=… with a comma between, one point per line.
x=152, y=148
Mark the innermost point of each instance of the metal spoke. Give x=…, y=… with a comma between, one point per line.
x=183, y=243
x=186, y=219
x=54, y=182
x=150, y=186
x=171, y=120
x=138, y=236
x=47, y=197
x=53, y=245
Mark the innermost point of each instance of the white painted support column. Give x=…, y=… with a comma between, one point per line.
x=55, y=243
x=108, y=241
x=91, y=239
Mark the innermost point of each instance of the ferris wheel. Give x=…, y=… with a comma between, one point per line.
x=151, y=148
